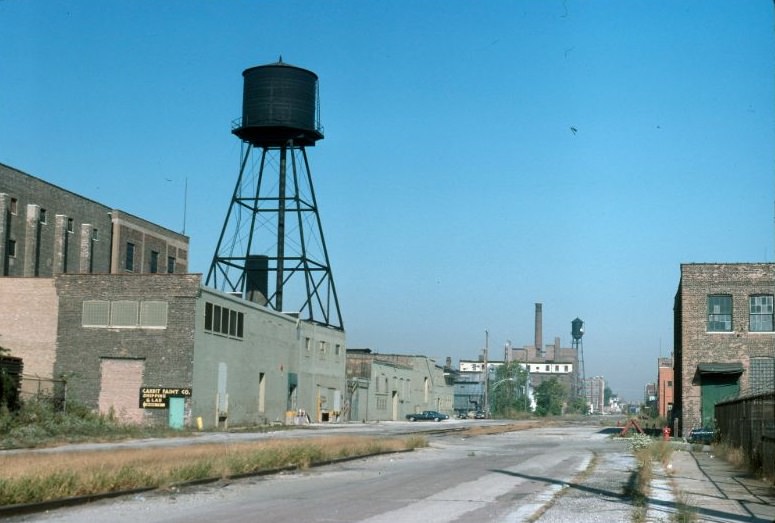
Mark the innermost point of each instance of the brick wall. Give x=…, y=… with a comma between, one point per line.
x=167, y=353
x=695, y=345
x=56, y=230
x=41, y=242
x=28, y=322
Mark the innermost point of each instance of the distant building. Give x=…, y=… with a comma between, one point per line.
x=387, y=387
x=595, y=394
x=470, y=384
x=664, y=387
x=549, y=361
x=724, y=338
x=650, y=397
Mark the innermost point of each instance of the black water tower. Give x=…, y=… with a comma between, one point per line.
x=279, y=104
x=271, y=249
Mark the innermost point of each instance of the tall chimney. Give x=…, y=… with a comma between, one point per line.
x=539, y=341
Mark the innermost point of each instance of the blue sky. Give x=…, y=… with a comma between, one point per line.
x=453, y=192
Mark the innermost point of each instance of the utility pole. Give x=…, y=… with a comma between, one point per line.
x=486, y=373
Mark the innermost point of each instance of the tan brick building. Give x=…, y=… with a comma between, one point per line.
x=724, y=337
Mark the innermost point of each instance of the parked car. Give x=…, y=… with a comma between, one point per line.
x=427, y=415
x=480, y=415
x=702, y=435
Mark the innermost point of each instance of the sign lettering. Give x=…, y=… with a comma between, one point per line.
x=158, y=397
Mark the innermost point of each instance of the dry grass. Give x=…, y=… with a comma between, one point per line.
x=734, y=455
x=29, y=478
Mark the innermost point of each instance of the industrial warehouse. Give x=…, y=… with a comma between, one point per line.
x=99, y=306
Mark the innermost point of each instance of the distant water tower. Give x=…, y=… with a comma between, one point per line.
x=576, y=332
x=271, y=249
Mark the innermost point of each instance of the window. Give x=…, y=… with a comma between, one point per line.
x=308, y=344
x=337, y=349
x=96, y=314
x=154, y=262
x=170, y=264
x=208, y=316
x=70, y=225
x=232, y=323
x=719, y=313
x=130, y=256
x=222, y=320
x=761, y=370
x=14, y=206
x=42, y=217
x=123, y=314
x=12, y=248
x=760, y=313
x=153, y=314
x=94, y=235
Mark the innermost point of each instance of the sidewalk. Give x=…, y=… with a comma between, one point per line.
x=704, y=488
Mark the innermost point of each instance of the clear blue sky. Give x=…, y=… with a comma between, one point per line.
x=453, y=192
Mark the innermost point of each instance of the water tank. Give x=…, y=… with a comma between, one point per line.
x=279, y=104
x=257, y=278
x=577, y=329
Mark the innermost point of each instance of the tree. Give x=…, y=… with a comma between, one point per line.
x=550, y=396
x=607, y=395
x=507, y=389
x=578, y=406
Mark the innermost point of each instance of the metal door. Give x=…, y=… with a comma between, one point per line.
x=177, y=407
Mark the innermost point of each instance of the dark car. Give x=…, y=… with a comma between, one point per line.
x=702, y=435
x=480, y=415
x=427, y=415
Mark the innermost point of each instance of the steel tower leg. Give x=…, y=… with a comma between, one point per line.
x=273, y=226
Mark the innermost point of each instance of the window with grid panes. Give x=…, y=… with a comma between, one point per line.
x=719, y=313
x=760, y=313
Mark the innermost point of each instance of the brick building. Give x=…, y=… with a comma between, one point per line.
x=724, y=337
x=665, y=387
x=231, y=361
x=99, y=302
x=547, y=361
x=46, y=230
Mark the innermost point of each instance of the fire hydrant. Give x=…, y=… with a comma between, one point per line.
x=666, y=433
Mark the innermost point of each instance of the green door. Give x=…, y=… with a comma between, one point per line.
x=176, y=412
x=716, y=388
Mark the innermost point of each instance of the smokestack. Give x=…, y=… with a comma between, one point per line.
x=539, y=339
